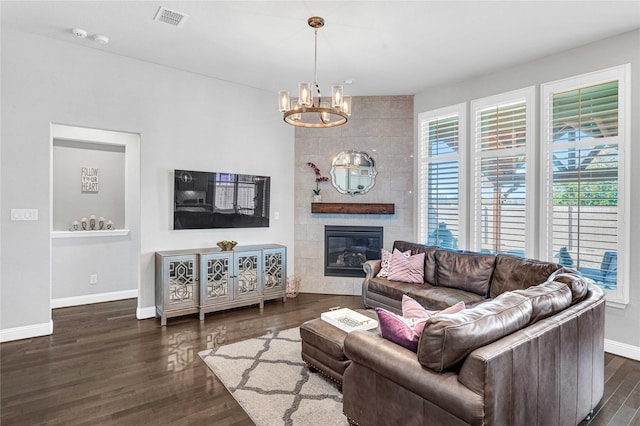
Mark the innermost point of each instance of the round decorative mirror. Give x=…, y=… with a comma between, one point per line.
x=353, y=172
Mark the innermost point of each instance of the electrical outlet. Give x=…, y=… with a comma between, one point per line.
x=93, y=279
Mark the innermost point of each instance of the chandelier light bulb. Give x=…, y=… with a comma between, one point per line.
x=285, y=101
x=346, y=105
x=336, y=96
x=325, y=116
x=304, y=94
x=296, y=117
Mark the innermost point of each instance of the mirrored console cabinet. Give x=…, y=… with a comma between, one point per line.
x=208, y=280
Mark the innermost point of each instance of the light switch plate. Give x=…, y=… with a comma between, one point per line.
x=24, y=214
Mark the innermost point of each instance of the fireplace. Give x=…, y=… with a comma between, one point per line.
x=346, y=248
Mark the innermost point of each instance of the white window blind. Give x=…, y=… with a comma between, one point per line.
x=583, y=152
x=501, y=134
x=440, y=155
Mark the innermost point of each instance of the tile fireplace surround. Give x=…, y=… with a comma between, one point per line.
x=382, y=127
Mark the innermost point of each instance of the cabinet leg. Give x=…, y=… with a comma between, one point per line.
x=261, y=304
x=163, y=320
x=201, y=316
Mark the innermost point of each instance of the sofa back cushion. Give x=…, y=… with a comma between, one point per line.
x=429, y=257
x=516, y=273
x=446, y=340
x=464, y=271
x=547, y=299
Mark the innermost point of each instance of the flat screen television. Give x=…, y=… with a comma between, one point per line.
x=204, y=200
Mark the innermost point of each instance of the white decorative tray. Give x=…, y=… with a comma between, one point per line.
x=348, y=320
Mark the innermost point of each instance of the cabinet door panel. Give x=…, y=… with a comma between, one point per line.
x=216, y=278
x=275, y=271
x=181, y=282
x=247, y=275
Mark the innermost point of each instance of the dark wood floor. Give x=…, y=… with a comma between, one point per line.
x=103, y=366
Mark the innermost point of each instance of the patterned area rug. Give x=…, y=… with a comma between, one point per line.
x=268, y=378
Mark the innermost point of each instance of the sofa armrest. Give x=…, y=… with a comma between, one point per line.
x=371, y=269
x=401, y=366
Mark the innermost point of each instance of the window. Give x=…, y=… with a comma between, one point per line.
x=585, y=136
x=501, y=133
x=440, y=199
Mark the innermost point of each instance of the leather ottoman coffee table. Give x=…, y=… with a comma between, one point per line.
x=323, y=347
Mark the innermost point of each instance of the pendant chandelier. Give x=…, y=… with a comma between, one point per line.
x=308, y=111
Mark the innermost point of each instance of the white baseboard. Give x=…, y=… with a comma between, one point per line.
x=26, y=332
x=144, y=313
x=93, y=298
x=622, y=349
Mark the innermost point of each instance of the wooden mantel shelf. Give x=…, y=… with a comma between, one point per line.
x=353, y=208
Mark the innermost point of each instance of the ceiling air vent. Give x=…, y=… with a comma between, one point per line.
x=170, y=17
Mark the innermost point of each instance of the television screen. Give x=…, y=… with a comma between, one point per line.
x=204, y=200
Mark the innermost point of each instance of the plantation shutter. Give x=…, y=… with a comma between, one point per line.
x=500, y=160
x=584, y=157
x=439, y=222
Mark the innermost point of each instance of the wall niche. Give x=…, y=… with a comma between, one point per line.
x=88, y=179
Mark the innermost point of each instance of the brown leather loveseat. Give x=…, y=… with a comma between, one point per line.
x=528, y=351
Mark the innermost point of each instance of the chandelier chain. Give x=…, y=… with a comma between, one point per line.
x=315, y=65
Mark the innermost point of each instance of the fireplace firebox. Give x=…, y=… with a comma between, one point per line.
x=346, y=248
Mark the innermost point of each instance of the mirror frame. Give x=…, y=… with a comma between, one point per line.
x=340, y=161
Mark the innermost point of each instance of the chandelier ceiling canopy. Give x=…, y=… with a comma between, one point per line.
x=310, y=111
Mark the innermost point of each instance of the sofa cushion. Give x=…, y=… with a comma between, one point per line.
x=407, y=269
x=465, y=271
x=579, y=285
x=516, y=273
x=547, y=299
x=429, y=258
x=391, y=289
x=385, y=262
x=438, y=298
x=405, y=329
x=447, y=339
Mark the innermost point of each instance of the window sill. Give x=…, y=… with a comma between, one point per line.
x=616, y=304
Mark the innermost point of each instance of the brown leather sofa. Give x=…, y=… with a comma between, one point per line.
x=530, y=351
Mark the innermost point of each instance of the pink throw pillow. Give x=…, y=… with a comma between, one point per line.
x=405, y=331
x=412, y=309
x=402, y=331
x=385, y=262
x=407, y=269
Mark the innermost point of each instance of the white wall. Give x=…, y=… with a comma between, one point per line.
x=622, y=325
x=184, y=120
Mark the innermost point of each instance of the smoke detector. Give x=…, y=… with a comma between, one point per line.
x=79, y=32
x=101, y=39
x=170, y=17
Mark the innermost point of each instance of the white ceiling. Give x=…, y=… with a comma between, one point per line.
x=385, y=47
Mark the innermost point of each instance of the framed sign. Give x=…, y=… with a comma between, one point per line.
x=89, y=179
